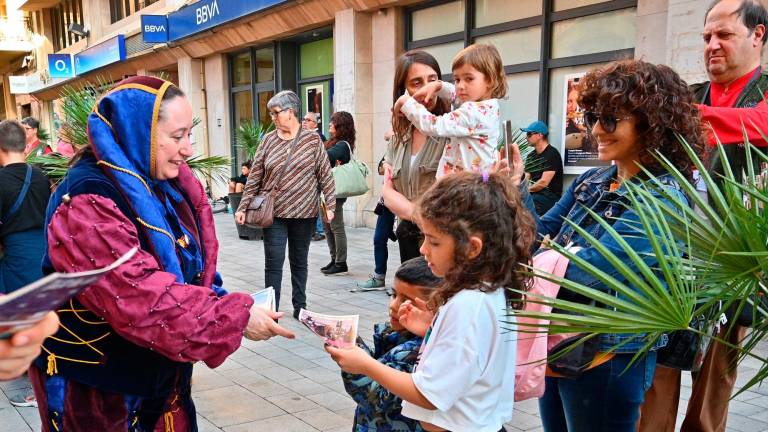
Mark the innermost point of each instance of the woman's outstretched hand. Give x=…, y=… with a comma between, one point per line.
x=262, y=325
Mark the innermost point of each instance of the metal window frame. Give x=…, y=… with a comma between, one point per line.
x=545, y=64
x=254, y=87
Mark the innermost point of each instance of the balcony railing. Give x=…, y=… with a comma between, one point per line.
x=14, y=30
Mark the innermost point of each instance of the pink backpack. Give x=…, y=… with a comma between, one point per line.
x=532, y=347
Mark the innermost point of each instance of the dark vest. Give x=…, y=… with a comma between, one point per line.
x=751, y=95
x=124, y=367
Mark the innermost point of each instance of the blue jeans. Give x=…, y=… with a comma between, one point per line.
x=604, y=399
x=385, y=224
x=319, y=225
x=297, y=233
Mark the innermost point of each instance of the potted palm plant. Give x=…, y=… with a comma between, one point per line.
x=248, y=137
x=712, y=257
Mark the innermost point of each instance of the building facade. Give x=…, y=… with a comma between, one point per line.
x=231, y=56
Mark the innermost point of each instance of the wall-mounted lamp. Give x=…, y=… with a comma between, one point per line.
x=78, y=29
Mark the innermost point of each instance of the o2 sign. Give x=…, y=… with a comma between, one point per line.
x=60, y=66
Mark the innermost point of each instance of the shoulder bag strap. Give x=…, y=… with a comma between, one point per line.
x=20, y=198
x=292, y=150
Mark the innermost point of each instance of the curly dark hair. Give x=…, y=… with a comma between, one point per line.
x=463, y=205
x=345, y=129
x=660, y=101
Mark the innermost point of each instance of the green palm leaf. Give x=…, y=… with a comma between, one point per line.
x=702, y=261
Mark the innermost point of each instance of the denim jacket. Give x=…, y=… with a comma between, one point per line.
x=592, y=189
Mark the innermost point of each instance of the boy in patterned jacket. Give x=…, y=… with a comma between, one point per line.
x=378, y=410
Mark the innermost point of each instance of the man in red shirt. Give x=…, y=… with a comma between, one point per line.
x=734, y=35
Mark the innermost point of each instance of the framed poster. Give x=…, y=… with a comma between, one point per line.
x=580, y=149
x=313, y=101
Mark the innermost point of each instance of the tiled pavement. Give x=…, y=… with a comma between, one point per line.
x=292, y=385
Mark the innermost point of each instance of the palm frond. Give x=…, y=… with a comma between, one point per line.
x=703, y=259
x=215, y=168
x=249, y=136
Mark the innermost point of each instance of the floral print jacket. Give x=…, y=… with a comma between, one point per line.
x=474, y=129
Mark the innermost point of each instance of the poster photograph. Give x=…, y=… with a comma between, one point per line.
x=314, y=102
x=580, y=150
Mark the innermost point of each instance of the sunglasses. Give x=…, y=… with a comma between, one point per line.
x=607, y=121
x=528, y=134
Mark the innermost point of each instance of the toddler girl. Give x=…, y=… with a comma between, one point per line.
x=476, y=234
x=474, y=127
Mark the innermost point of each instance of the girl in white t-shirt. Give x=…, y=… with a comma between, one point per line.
x=474, y=126
x=476, y=234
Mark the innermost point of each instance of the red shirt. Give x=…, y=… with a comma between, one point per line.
x=726, y=121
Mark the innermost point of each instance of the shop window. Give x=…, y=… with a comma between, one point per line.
x=444, y=54
x=316, y=58
x=489, y=12
x=521, y=105
x=516, y=46
x=596, y=33
x=264, y=97
x=241, y=69
x=265, y=65
x=242, y=108
x=438, y=20
x=119, y=9
x=570, y=4
x=62, y=15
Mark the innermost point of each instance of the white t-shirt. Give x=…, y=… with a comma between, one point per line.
x=467, y=365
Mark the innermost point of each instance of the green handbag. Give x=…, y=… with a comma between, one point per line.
x=350, y=177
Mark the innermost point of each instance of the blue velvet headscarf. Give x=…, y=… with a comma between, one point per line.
x=122, y=131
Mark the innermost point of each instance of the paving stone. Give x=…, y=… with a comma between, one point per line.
x=333, y=400
x=323, y=419
x=292, y=402
x=11, y=420
x=304, y=386
x=284, y=423
x=205, y=378
x=233, y=405
x=266, y=387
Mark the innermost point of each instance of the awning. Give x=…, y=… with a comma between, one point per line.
x=34, y=5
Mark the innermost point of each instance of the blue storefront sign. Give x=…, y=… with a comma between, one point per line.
x=60, y=66
x=154, y=28
x=207, y=14
x=105, y=53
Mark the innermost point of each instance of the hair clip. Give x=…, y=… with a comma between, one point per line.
x=486, y=175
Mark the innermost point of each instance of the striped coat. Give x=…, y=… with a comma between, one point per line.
x=298, y=192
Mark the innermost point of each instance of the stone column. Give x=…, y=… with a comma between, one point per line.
x=387, y=47
x=685, y=47
x=8, y=99
x=191, y=82
x=651, y=31
x=217, y=102
x=353, y=92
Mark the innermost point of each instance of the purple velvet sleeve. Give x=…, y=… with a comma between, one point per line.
x=142, y=303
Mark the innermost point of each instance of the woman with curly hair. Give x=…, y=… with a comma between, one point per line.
x=634, y=112
x=339, y=148
x=465, y=375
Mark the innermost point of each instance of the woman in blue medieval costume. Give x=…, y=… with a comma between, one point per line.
x=122, y=360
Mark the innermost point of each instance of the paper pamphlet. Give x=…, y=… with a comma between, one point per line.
x=265, y=299
x=28, y=305
x=339, y=331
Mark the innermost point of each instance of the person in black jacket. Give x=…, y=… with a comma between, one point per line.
x=339, y=148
